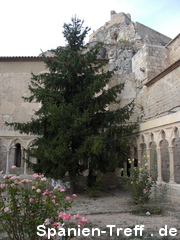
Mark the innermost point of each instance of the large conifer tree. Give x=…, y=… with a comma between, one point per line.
x=73, y=123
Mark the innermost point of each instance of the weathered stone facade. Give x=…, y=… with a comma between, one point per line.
x=15, y=75
x=148, y=63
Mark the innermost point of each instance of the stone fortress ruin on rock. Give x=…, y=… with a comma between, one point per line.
x=148, y=63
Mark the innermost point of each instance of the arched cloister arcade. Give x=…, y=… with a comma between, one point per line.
x=13, y=154
x=162, y=144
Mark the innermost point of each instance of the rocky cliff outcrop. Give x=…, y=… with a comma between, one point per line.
x=122, y=39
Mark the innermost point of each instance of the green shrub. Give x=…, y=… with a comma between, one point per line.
x=26, y=204
x=140, y=182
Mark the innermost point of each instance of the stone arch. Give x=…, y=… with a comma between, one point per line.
x=141, y=140
x=165, y=160
x=29, y=159
x=30, y=143
x=15, y=141
x=165, y=165
x=150, y=139
x=133, y=147
x=142, y=146
x=16, y=155
x=174, y=135
x=161, y=137
x=153, y=159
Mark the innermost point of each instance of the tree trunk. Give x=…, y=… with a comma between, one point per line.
x=72, y=187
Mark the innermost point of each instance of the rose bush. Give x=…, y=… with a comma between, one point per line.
x=26, y=204
x=139, y=182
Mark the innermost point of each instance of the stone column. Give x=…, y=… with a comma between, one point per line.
x=132, y=155
x=159, y=164
x=7, y=162
x=148, y=151
x=139, y=151
x=171, y=164
x=25, y=163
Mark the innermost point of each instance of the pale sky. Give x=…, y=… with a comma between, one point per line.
x=29, y=26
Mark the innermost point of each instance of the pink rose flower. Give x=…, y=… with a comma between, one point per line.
x=67, y=217
x=68, y=198
x=61, y=214
x=55, y=224
x=84, y=219
x=2, y=185
x=45, y=193
x=6, y=209
x=62, y=190
x=31, y=200
x=43, y=179
x=7, y=176
x=77, y=216
x=35, y=175
x=16, y=182
x=145, y=191
x=74, y=195
x=13, y=167
x=81, y=223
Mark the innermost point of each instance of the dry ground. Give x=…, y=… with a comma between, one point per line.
x=114, y=208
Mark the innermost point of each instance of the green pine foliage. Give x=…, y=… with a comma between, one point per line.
x=74, y=124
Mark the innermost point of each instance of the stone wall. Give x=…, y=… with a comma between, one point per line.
x=151, y=36
x=148, y=62
x=3, y=151
x=161, y=98
x=174, y=49
x=128, y=94
x=15, y=75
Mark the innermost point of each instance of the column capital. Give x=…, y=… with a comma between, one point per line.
x=139, y=150
x=171, y=148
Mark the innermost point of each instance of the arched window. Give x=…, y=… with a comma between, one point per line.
x=17, y=156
